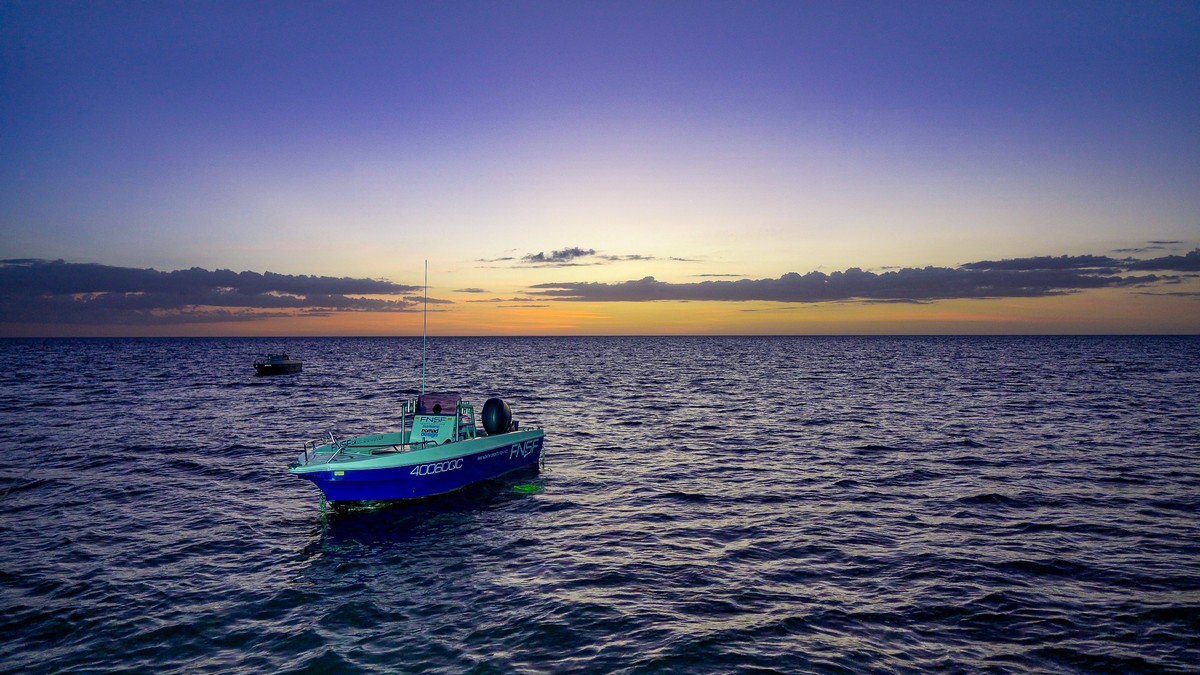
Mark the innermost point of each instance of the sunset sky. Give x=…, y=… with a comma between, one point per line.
x=599, y=168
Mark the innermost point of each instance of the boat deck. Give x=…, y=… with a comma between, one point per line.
x=421, y=419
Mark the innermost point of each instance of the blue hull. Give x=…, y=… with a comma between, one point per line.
x=418, y=474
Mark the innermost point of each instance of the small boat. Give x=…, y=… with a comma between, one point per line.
x=277, y=364
x=437, y=449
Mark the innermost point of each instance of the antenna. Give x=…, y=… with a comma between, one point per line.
x=424, y=327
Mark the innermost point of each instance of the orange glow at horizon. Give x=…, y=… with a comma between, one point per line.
x=1094, y=312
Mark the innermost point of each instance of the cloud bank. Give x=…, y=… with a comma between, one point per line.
x=1017, y=278
x=57, y=292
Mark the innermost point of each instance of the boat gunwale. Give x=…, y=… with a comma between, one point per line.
x=342, y=461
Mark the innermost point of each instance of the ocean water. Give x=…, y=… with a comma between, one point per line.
x=705, y=505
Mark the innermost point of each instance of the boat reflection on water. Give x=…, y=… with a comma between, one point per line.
x=359, y=526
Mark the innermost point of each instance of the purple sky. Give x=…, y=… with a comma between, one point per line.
x=350, y=139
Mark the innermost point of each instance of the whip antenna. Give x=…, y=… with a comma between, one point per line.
x=424, y=326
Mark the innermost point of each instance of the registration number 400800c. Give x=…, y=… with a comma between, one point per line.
x=436, y=467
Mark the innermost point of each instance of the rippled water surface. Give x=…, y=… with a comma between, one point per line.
x=706, y=505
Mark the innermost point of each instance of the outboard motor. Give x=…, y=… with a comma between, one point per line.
x=497, y=416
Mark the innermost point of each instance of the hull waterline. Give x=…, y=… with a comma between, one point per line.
x=426, y=472
x=277, y=369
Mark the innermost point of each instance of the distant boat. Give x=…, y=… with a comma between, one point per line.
x=438, y=449
x=277, y=364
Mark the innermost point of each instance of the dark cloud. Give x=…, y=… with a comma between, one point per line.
x=1177, y=263
x=1065, y=262
x=558, y=257
x=1189, y=262
x=1021, y=278
x=497, y=300
x=635, y=257
x=39, y=291
x=469, y=290
x=420, y=300
x=1157, y=245
x=576, y=256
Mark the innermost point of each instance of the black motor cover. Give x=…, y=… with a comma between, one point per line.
x=497, y=416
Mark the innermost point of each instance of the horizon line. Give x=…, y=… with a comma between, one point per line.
x=596, y=335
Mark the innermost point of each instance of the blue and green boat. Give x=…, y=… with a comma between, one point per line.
x=437, y=449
